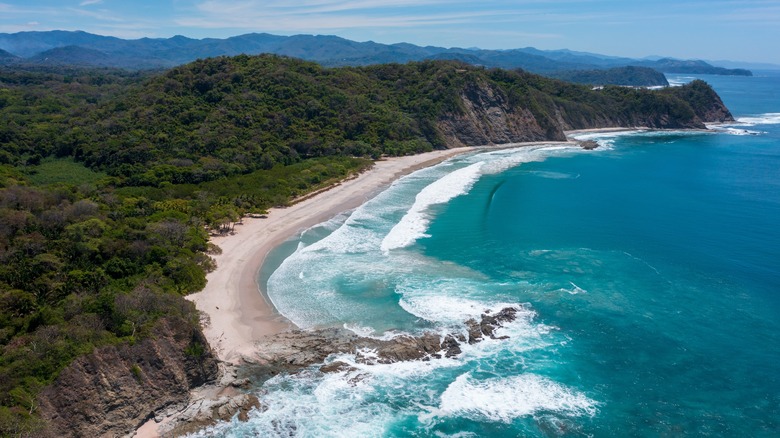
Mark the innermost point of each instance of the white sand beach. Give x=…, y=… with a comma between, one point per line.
x=238, y=313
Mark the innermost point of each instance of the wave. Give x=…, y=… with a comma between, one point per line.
x=312, y=405
x=727, y=129
x=356, y=271
x=508, y=398
x=414, y=224
x=759, y=119
x=504, y=159
x=606, y=140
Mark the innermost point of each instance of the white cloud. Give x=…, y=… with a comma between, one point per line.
x=90, y=2
x=100, y=15
x=329, y=15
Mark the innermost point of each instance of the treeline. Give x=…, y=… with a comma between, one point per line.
x=109, y=180
x=222, y=117
x=85, y=264
x=629, y=76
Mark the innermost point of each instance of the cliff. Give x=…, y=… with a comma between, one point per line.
x=487, y=117
x=704, y=101
x=492, y=112
x=114, y=390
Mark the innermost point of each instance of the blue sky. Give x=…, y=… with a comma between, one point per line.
x=740, y=30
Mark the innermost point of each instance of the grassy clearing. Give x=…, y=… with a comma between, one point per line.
x=62, y=171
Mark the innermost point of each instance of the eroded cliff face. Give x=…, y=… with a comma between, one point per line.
x=706, y=103
x=488, y=118
x=112, y=391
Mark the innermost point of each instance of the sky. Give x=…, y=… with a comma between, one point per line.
x=737, y=30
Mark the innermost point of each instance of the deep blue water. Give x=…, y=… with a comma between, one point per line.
x=646, y=273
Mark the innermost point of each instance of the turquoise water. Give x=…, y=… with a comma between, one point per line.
x=646, y=272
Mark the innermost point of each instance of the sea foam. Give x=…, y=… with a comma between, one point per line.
x=504, y=399
x=760, y=119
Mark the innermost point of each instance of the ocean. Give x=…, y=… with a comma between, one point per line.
x=646, y=274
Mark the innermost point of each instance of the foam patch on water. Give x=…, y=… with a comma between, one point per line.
x=575, y=290
x=606, y=140
x=450, y=312
x=448, y=309
x=760, y=119
x=505, y=399
x=414, y=224
x=455, y=435
x=366, y=366
x=311, y=405
x=726, y=129
x=553, y=175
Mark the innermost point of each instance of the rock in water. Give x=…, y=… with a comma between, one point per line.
x=297, y=349
x=589, y=145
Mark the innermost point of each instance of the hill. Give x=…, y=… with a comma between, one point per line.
x=72, y=55
x=629, y=76
x=7, y=58
x=156, y=53
x=668, y=65
x=224, y=116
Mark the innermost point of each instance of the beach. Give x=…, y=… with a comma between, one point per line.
x=236, y=312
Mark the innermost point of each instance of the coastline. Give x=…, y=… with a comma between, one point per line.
x=237, y=313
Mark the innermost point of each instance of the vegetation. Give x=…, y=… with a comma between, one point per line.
x=110, y=181
x=629, y=76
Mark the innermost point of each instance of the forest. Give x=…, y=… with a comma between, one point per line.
x=111, y=181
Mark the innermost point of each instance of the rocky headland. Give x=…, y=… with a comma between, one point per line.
x=114, y=390
x=296, y=350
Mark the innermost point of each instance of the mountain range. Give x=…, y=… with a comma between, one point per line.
x=85, y=49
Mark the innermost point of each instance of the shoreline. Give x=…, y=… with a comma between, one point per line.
x=237, y=312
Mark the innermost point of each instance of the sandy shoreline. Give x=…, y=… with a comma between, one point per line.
x=238, y=314
x=236, y=310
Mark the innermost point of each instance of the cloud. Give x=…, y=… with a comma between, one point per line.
x=90, y=2
x=331, y=15
x=100, y=15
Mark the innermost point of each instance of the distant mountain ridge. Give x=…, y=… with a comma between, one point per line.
x=85, y=49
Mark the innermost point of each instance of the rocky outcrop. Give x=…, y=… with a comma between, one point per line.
x=206, y=412
x=589, y=145
x=704, y=101
x=294, y=350
x=114, y=390
x=488, y=118
x=487, y=115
